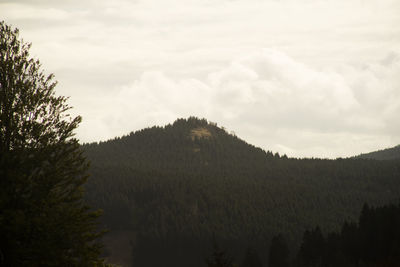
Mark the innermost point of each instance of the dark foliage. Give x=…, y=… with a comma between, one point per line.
x=312, y=248
x=384, y=154
x=251, y=258
x=219, y=258
x=175, y=186
x=373, y=242
x=43, y=218
x=278, y=252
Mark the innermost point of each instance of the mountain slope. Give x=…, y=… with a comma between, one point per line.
x=175, y=188
x=384, y=154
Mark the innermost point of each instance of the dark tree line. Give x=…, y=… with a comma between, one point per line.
x=373, y=241
x=384, y=154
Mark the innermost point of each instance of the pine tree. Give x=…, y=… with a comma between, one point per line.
x=278, y=252
x=251, y=258
x=43, y=219
x=312, y=248
x=219, y=258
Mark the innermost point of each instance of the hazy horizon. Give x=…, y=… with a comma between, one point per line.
x=309, y=78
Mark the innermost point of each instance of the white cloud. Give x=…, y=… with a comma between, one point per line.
x=17, y=12
x=273, y=101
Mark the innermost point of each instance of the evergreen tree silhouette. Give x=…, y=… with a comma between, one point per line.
x=251, y=258
x=43, y=218
x=278, y=252
x=312, y=248
x=219, y=258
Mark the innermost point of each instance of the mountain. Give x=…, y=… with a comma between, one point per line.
x=384, y=154
x=168, y=192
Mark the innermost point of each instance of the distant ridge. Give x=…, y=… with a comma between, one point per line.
x=384, y=154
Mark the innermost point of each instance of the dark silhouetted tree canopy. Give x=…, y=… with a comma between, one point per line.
x=219, y=258
x=43, y=219
x=372, y=242
x=312, y=249
x=251, y=258
x=278, y=252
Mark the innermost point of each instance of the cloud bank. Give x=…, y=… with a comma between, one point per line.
x=275, y=101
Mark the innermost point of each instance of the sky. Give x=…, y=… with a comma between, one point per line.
x=306, y=78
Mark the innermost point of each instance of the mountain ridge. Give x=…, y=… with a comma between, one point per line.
x=195, y=125
x=392, y=153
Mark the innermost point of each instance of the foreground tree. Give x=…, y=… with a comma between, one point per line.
x=43, y=219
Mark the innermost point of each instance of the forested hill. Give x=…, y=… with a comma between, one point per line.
x=384, y=154
x=189, y=146
x=167, y=192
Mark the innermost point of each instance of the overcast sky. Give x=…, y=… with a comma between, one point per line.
x=309, y=78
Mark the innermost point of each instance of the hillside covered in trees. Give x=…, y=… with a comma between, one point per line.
x=384, y=154
x=168, y=192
